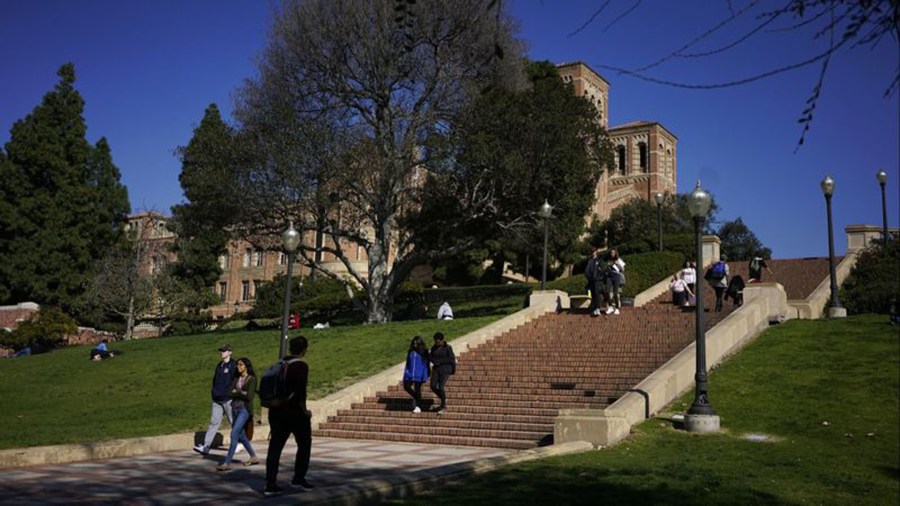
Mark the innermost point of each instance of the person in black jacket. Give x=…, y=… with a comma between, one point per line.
x=444, y=361
x=291, y=418
x=593, y=273
x=221, y=398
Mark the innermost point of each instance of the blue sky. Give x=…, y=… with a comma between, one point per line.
x=147, y=70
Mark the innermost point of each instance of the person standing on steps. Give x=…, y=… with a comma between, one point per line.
x=243, y=389
x=755, y=268
x=221, y=400
x=444, y=361
x=291, y=418
x=416, y=371
x=616, y=281
x=592, y=274
x=689, y=274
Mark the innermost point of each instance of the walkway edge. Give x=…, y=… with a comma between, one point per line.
x=377, y=491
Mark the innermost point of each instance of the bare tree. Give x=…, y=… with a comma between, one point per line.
x=839, y=25
x=338, y=122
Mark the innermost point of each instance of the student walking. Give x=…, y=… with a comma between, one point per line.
x=594, y=279
x=292, y=417
x=689, y=274
x=717, y=275
x=243, y=389
x=221, y=400
x=416, y=371
x=755, y=269
x=444, y=361
x=616, y=281
x=680, y=290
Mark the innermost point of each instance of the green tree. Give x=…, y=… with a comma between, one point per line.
x=739, y=242
x=521, y=147
x=873, y=286
x=63, y=203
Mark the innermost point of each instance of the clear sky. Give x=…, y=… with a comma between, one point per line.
x=148, y=69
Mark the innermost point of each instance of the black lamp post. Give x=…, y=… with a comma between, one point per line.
x=836, y=310
x=291, y=239
x=659, y=202
x=882, y=180
x=545, y=211
x=701, y=415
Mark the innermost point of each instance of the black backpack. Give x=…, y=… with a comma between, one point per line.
x=273, y=390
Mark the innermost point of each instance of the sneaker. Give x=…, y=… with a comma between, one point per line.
x=417, y=409
x=595, y=312
x=610, y=310
x=302, y=484
x=616, y=311
x=239, y=449
x=441, y=411
x=202, y=450
x=272, y=490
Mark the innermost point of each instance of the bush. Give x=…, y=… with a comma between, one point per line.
x=188, y=322
x=270, y=296
x=45, y=331
x=641, y=272
x=872, y=285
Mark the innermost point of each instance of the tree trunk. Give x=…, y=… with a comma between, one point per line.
x=129, y=320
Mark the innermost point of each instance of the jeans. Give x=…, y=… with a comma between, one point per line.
x=218, y=409
x=282, y=423
x=241, y=417
x=438, y=380
x=414, y=388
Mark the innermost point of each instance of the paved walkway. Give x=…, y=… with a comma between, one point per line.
x=343, y=472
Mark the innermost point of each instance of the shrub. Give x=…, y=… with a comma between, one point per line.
x=188, y=322
x=45, y=331
x=872, y=285
x=270, y=296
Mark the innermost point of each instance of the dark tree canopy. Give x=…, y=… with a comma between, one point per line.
x=63, y=204
x=740, y=243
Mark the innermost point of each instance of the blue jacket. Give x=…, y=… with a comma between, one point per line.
x=416, y=368
x=221, y=383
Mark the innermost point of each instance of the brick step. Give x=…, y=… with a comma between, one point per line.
x=431, y=430
x=586, y=362
x=407, y=416
x=507, y=396
x=563, y=390
x=556, y=382
x=435, y=420
x=376, y=409
x=549, y=371
x=506, y=406
x=511, y=444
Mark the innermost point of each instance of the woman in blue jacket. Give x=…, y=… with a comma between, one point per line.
x=416, y=371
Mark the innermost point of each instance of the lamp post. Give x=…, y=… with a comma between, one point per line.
x=836, y=310
x=659, y=202
x=882, y=180
x=701, y=417
x=290, y=239
x=545, y=211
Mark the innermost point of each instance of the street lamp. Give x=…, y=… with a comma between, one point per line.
x=545, y=211
x=701, y=416
x=836, y=310
x=882, y=180
x=659, y=202
x=290, y=239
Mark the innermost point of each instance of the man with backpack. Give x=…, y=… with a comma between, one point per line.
x=290, y=416
x=717, y=275
x=756, y=267
x=221, y=398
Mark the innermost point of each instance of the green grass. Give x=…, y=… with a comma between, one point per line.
x=161, y=386
x=786, y=385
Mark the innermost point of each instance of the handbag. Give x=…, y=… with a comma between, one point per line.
x=248, y=428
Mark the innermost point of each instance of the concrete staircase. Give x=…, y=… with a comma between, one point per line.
x=508, y=391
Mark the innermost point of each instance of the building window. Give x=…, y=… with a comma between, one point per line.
x=256, y=283
x=282, y=258
x=245, y=290
x=642, y=146
x=224, y=261
x=157, y=263
x=622, y=153
x=223, y=289
x=248, y=253
x=258, y=258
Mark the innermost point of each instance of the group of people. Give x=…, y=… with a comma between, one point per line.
x=233, y=391
x=439, y=364
x=683, y=283
x=605, y=277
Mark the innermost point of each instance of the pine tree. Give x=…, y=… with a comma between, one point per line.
x=63, y=202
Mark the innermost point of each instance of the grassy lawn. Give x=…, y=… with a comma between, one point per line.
x=161, y=386
x=826, y=393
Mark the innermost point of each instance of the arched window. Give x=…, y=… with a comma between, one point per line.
x=622, y=153
x=642, y=146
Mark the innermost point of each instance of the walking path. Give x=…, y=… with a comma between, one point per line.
x=343, y=472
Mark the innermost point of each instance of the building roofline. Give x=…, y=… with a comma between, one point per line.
x=579, y=62
x=641, y=124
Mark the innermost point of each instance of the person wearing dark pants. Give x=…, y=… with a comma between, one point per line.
x=444, y=361
x=416, y=371
x=593, y=273
x=291, y=418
